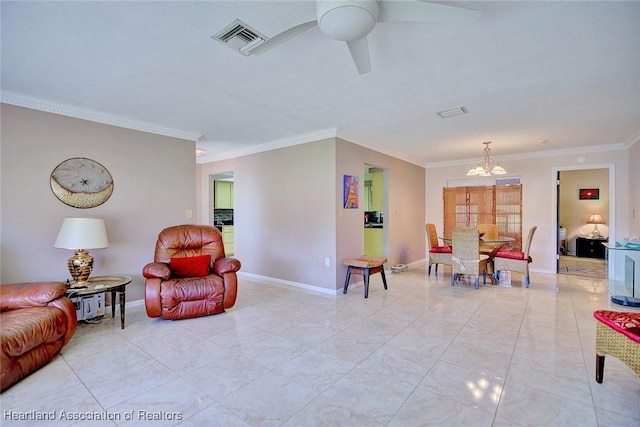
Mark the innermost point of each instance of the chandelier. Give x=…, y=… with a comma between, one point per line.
x=486, y=167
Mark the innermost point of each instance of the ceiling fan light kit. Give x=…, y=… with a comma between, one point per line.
x=346, y=20
x=351, y=20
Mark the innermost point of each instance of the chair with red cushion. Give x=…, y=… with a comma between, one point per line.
x=487, y=232
x=466, y=258
x=517, y=261
x=437, y=254
x=190, y=275
x=617, y=334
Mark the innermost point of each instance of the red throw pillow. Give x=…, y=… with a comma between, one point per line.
x=195, y=266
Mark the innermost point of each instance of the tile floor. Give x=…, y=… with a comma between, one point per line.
x=422, y=353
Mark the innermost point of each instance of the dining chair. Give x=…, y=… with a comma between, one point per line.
x=487, y=232
x=466, y=257
x=517, y=261
x=437, y=254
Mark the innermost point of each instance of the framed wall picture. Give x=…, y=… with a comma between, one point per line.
x=589, y=194
x=350, y=198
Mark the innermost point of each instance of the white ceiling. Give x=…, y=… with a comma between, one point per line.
x=566, y=72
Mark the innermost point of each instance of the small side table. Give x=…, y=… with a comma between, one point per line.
x=105, y=284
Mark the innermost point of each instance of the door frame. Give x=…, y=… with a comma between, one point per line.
x=384, y=207
x=556, y=204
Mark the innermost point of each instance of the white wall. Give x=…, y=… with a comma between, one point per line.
x=154, y=185
x=634, y=191
x=539, y=195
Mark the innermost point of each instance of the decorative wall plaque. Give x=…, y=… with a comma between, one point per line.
x=81, y=183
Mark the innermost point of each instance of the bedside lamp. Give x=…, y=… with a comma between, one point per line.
x=595, y=219
x=80, y=234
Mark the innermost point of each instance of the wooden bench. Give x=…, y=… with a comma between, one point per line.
x=365, y=266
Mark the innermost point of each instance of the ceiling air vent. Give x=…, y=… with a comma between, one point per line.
x=239, y=37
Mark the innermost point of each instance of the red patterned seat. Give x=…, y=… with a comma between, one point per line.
x=516, y=260
x=441, y=250
x=519, y=255
x=617, y=334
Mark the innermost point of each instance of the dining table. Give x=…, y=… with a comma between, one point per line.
x=488, y=247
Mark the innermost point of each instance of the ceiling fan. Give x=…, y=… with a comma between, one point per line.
x=351, y=20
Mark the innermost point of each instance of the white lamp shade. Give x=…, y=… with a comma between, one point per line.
x=498, y=170
x=82, y=233
x=595, y=219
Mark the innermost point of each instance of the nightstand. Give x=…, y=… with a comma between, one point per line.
x=590, y=248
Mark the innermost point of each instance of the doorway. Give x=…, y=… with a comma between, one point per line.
x=584, y=220
x=222, y=209
x=375, y=196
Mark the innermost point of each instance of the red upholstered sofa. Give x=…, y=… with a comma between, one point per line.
x=190, y=275
x=36, y=321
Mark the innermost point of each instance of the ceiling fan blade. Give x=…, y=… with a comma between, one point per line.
x=360, y=52
x=419, y=11
x=283, y=37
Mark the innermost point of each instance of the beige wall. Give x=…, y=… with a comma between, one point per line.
x=539, y=194
x=288, y=201
x=288, y=210
x=404, y=232
x=283, y=212
x=154, y=185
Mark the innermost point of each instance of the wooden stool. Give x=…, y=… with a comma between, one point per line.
x=365, y=266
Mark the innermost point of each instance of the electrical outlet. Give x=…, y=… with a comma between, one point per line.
x=327, y=262
x=314, y=260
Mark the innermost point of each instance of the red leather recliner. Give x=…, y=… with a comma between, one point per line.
x=178, y=286
x=36, y=321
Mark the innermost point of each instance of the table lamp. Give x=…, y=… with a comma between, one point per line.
x=595, y=219
x=80, y=234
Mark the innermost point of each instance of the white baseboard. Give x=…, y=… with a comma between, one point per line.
x=313, y=288
x=305, y=286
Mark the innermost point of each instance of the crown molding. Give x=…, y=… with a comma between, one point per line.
x=374, y=145
x=268, y=146
x=536, y=155
x=633, y=139
x=93, y=116
x=336, y=132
